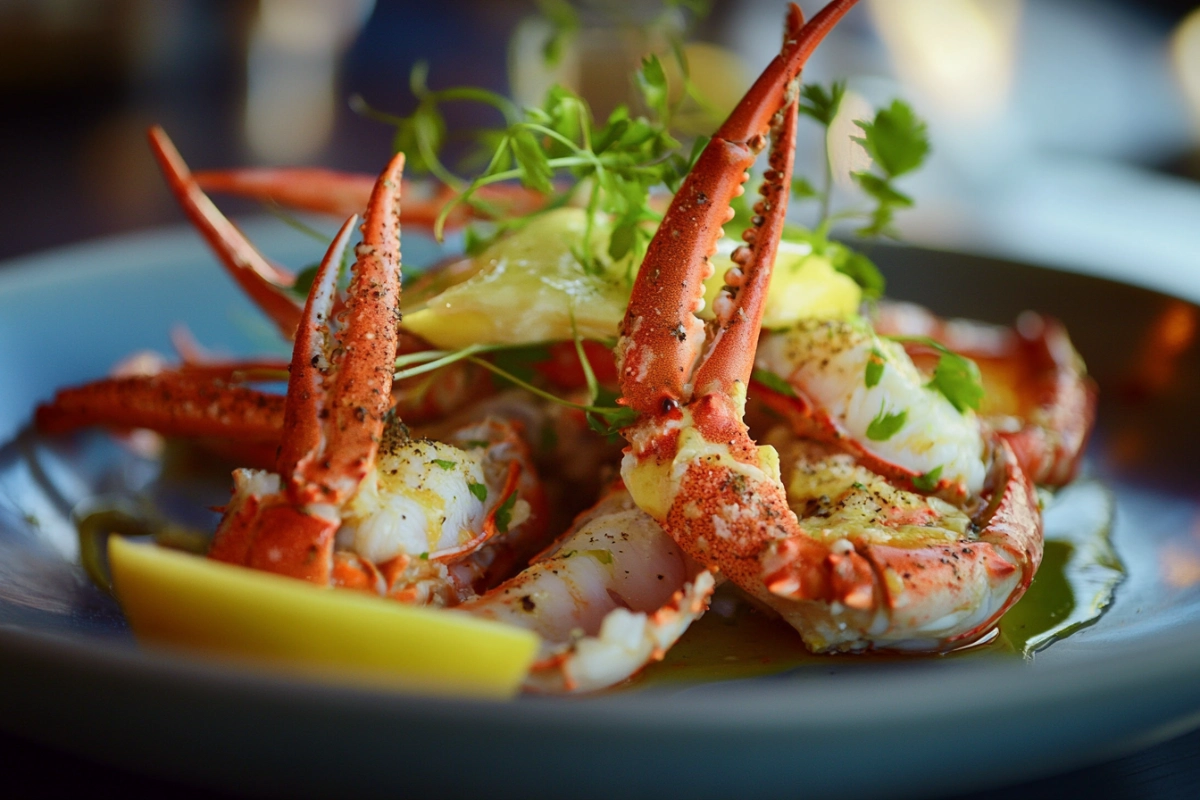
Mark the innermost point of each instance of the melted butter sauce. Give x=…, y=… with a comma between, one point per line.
x=1071, y=590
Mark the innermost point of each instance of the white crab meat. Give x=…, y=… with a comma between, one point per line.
x=423, y=498
x=614, y=593
x=827, y=362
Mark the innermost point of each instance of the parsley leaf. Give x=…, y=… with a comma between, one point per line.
x=822, y=104
x=479, y=490
x=802, y=189
x=896, y=139
x=897, y=142
x=445, y=463
x=957, y=378
x=304, y=280
x=610, y=420
x=652, y=81
x=564, y=25
x=885, y=425
x=858, y=267
x=519, y=361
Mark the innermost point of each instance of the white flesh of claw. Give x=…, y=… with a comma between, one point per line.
x=826, y=361
x=613, y=594
x=418, y=500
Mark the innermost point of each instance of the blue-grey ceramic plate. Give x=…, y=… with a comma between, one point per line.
x=71, y=675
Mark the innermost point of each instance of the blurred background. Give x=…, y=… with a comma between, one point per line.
x=1064, y=131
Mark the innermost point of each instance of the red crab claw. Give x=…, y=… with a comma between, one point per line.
x=686, y=407
x=662, y=334
x=691, y=463
x=339, y=391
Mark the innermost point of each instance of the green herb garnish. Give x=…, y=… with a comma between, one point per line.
x=955, y=376
x=503, y=515
x=774, y=382
x=928, y=481
x=874, y=371
x=885, y=425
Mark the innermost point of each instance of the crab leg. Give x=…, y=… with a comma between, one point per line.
x=691, y=464
x=264, y=282
x=170, y=403
x=328, y=191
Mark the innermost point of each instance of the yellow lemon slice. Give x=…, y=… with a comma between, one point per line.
x=181, y=601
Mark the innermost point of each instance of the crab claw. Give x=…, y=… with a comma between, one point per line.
x=692, y=466
x=339, y=391
x=662, y=336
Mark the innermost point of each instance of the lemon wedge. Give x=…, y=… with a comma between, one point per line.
x=180, y=601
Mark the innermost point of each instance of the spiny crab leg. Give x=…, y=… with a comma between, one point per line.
x=264, y=282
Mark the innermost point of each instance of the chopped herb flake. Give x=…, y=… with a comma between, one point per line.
x=503, y=514
x=885, y=425
x=774, y=382
x=874, y=368
x=928, y=481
